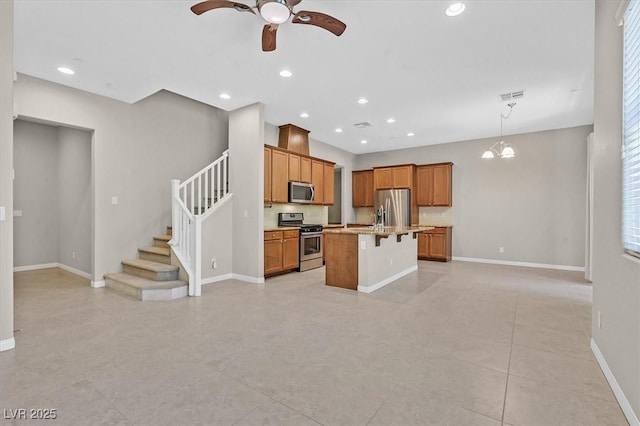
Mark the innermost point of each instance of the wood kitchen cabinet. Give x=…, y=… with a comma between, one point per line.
x=281, y=251
x=279, y=176
x=317, y=179
x=329, y=182
x=435, y=244
x=294, y=167
x=267, y=175
x=305, y=169
x=395, y=177
x=433, y=184
x=362, y=188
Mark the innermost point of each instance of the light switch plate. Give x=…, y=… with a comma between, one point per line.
x=2, y=214
x=17, y=213
x=114, y=201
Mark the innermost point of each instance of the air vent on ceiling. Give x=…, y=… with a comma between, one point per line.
x=363, y=125
x=505, y=97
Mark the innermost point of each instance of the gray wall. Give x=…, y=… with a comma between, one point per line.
x=616, y=277
x=246, y=173
x=74, y=198
x=136, y=150
x=52, y=188
x=35, y=194
x=217, y=242
x=532, y=205
x=6, y=174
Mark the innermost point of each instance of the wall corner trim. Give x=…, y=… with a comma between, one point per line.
x=632, y=417
x=98, y=284
x=7, y=344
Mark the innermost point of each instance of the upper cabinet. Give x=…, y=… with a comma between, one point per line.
x=362, y=188
x=329, y=180
x=279, y=176
x=282, y=166
x=317, y=179
x=267, y=175
x=433, y=184
x=395, y=177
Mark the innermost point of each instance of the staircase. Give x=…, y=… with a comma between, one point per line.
x=151, y=276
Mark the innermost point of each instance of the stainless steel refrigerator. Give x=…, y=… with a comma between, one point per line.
x=396, y=205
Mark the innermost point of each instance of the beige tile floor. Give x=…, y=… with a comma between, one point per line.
x=456, y=344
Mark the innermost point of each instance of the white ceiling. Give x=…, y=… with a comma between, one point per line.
x=439, y=77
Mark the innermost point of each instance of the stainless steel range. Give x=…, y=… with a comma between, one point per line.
x=311, y=240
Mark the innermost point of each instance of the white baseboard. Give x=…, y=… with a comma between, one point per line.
x=53, y=265
x=380, y=284
x=248, y=279
x=525, y=264
x=7, y=344
x=98, y=284
x=75, y=271
x=34, y=267
x=219, y=278
x=632, y=417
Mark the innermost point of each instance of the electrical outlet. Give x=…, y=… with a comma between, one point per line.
x=214, y=263
x=73, y=254
x=391, y=262
x=501, y=249
x=599, y=320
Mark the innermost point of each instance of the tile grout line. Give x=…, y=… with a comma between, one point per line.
x=513, y=332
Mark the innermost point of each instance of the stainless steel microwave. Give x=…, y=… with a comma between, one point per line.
x=301, y=193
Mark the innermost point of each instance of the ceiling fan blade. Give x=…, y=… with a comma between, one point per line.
x=208, y=5
x=269, y=37
x=321, y=20
x=292, y=3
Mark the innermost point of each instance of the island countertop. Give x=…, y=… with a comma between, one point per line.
x=383, y=232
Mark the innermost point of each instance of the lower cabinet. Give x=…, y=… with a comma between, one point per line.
x=435, y=244
x=281, y=251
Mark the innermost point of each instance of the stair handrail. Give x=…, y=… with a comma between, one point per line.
x=211, y=185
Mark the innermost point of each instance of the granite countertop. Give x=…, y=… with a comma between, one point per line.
x=281, y=228
x=386, y=231
x=332, y=226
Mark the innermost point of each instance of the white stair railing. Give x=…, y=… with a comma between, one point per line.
x=193, y=201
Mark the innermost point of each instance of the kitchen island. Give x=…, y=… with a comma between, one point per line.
x=366, y=259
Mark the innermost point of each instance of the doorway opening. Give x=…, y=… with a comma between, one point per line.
x=335, y=211
x=53, y=197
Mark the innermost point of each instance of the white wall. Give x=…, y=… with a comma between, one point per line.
x=532, y=205
x=616, y=277
x=74, y=198
x=137, y=149
x=35, y=194
x=6, y=174
x=217, y=243
x=246, y=156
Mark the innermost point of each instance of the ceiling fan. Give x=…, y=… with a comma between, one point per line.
x=275, y=12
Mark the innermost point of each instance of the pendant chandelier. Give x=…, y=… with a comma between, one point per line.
x=501, y=148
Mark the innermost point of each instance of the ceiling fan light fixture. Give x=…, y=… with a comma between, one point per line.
x=304, y=18
x=274, y=11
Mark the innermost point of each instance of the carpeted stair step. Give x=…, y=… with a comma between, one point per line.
x=161, y=240
x=144, y=289
x=156, y=254
x=150, y=270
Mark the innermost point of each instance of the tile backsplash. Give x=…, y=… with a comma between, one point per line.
x=312, y=214
x=442, y=216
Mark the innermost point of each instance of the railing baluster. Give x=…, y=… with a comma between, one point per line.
x=207, y=197
x=225, y=179
x=218, y=181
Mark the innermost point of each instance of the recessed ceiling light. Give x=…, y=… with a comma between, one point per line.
x=363, y=141
x=455, y=9
x=65, y=70
x=225, y=96
x=304, y=115
x=338, y=130
x=391, y=120
x=411, y=134
x=285, y=73
x=363, y=101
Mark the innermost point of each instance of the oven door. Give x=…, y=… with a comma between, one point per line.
x=311, y=246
